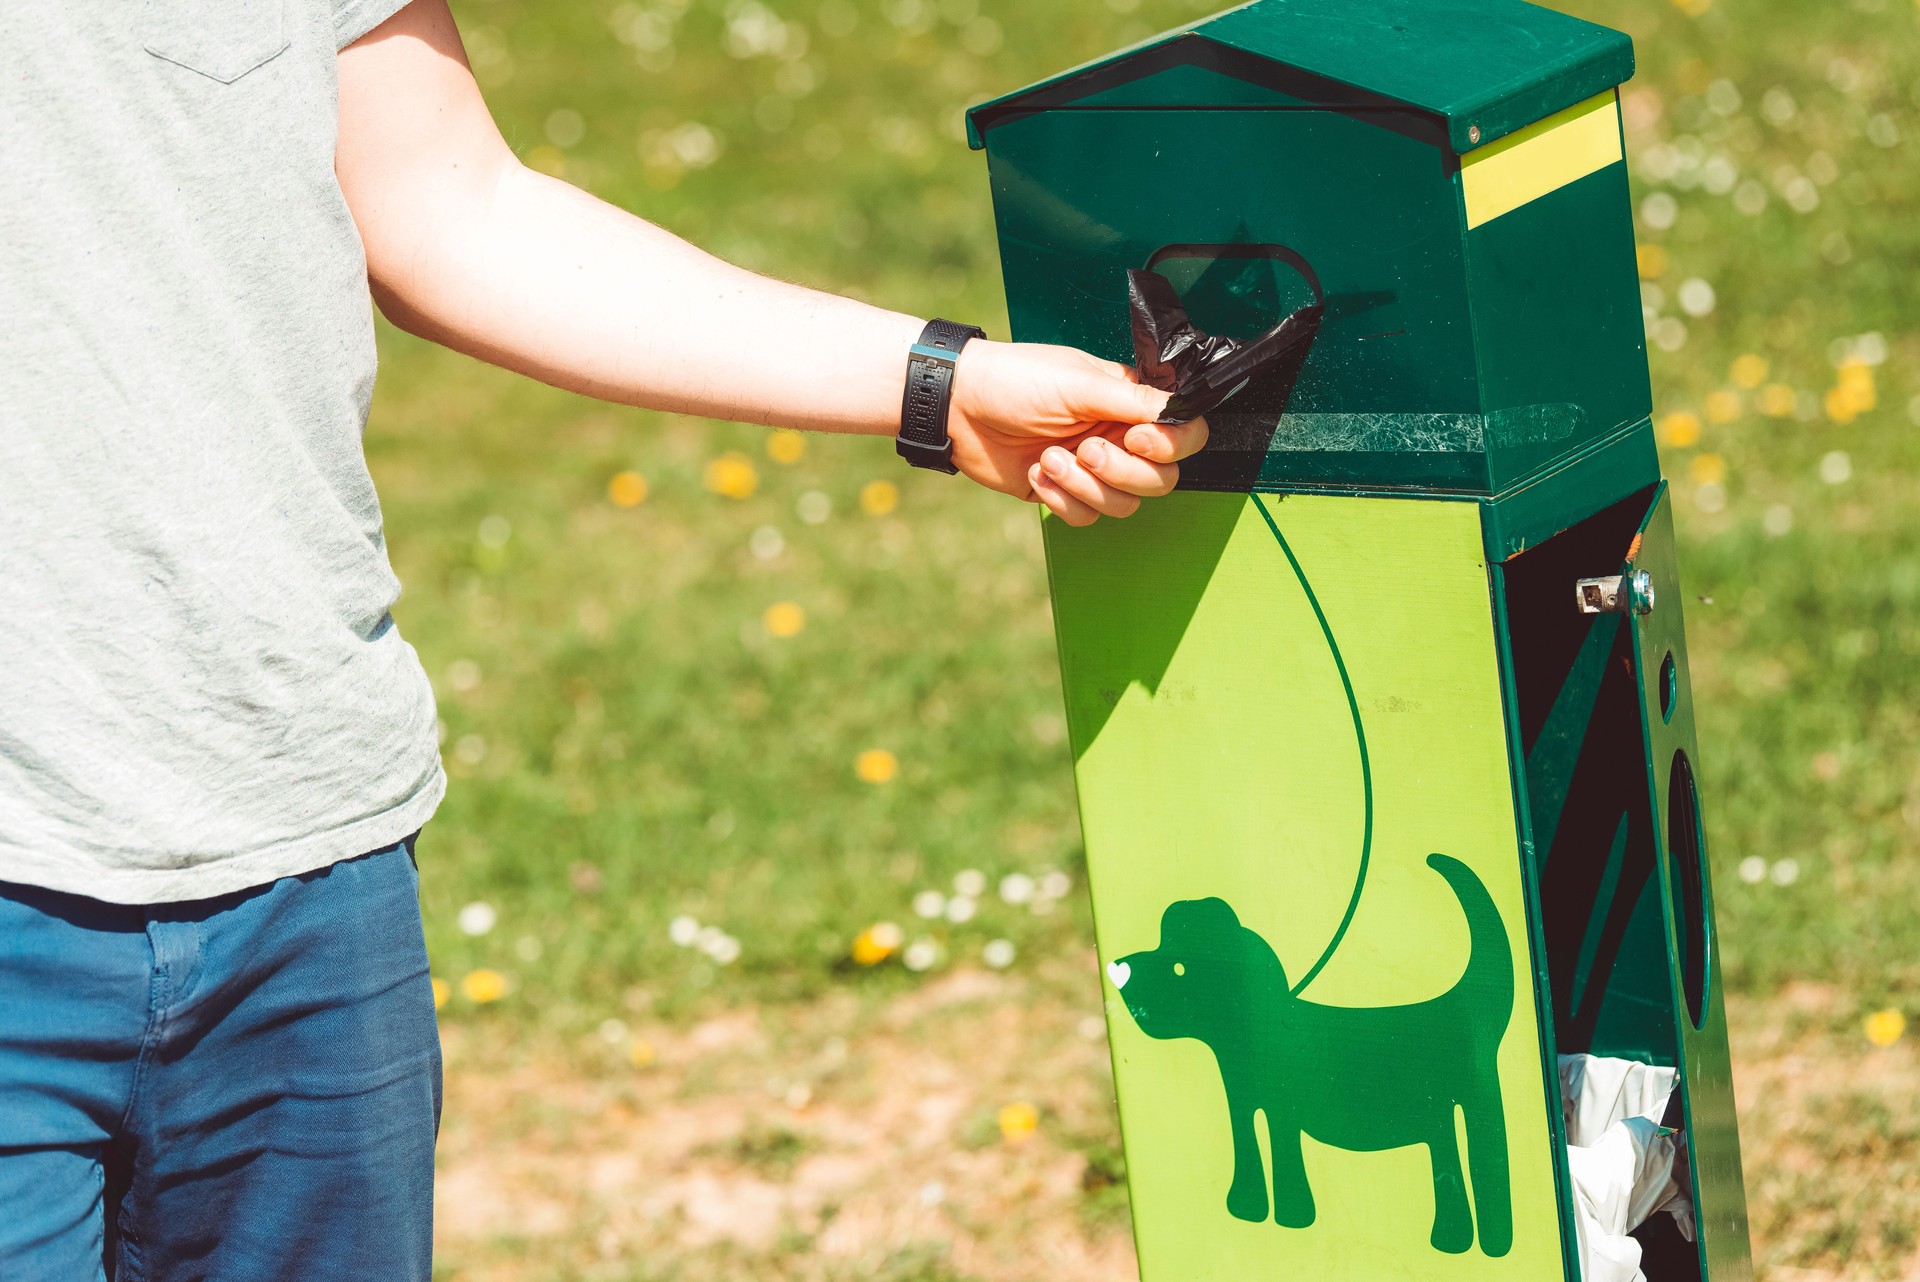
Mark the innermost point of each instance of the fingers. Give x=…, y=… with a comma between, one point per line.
x=1062, y=468
x=1117, y=397
x=1113, y=397
x=1125, y=471
x=1056, y=500
x=1167, y=442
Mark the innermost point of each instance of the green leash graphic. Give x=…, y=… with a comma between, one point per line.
x=1359, y=734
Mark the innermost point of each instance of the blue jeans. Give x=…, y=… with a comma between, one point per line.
x=239, y=1089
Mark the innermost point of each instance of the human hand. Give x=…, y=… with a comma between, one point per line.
x=1057, y=426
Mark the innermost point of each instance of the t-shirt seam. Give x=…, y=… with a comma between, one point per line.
x=351, y=20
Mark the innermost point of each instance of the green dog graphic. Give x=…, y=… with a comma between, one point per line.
x=1357, y=1078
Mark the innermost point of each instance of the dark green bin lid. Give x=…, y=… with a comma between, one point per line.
x=1483, y=67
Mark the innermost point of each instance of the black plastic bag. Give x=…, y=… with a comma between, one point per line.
x=1203, y=370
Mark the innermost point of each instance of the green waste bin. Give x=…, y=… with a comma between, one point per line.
x=1382, y=727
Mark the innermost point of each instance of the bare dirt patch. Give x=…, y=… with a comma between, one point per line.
x=831, y=1141
x=1830, y=1140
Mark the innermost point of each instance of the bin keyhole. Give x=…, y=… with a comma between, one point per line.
x=1669, y=687
x=1685, y=858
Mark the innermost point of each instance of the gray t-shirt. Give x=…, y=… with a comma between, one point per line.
x=201, y=688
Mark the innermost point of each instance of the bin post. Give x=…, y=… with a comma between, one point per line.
x=1381, y=725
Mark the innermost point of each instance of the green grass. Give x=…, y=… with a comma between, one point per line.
x=636, y=746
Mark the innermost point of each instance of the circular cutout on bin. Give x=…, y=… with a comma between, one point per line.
x=1686, y=860
x=1669, y=687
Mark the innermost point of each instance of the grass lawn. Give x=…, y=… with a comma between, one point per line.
x=781, y=686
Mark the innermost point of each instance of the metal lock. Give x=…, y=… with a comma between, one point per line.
x=1616, y=594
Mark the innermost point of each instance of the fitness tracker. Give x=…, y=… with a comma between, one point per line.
x=923, y=439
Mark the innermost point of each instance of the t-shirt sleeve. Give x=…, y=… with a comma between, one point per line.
x=354, y=18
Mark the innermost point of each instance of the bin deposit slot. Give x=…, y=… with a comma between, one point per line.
x=1685, y=851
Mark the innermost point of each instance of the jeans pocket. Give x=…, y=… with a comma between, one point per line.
x=221, y=39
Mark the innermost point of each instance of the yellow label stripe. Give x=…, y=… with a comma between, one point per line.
x=1543, y=157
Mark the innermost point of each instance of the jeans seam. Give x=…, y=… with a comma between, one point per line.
x=128, y=1255
x=158, y=987
x=159, y=994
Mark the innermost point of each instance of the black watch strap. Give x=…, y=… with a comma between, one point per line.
x=923, y=439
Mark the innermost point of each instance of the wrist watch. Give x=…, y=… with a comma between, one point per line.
x=923, y=439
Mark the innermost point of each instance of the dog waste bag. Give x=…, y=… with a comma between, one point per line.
x=1626, y=1166
x=1203, y=370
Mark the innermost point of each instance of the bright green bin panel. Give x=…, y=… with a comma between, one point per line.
x=1217, y=719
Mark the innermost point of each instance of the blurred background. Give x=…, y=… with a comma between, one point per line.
x=757, y=903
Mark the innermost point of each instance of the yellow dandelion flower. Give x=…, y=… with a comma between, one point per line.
x=627, y=489
x=1018, y=1122
x=732, y=475
x=876, y=765
x=1778, y=400
x=1707, y=469
x=642, y=1053
x=441, y=991
x=1840, y=406
x=1652, y=260
x=877, y=943
x=483, y=985
x=1856, y=381
x=784, y=619
x=1749, y=371
x=1723, y=406
x=1885, y=1027
x=1680, y=429
x=877, y=498
x=787, y=446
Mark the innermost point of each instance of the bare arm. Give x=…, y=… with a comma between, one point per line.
x=469, y=248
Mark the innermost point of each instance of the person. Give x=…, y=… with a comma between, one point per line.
x=218, y=1051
